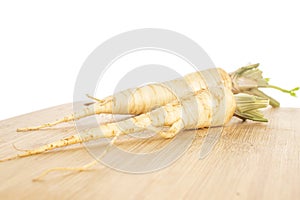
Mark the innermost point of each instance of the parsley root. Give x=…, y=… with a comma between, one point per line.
x=135, y=101
x=199, y=110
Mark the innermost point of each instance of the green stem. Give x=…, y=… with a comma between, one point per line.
x=273, y=102
x=249, y=79
x=247, y=107
x=291, y=92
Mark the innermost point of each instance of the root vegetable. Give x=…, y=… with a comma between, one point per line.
x=144, y=99
x=199, y=110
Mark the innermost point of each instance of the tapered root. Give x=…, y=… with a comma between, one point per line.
x=101, y=106
x=76, y=169
x=168, y=115
x=131, y=125
x=50, y=124
x=60, y=143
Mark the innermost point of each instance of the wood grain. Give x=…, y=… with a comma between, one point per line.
x=250, y=161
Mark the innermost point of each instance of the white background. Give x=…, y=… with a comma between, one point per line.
x=43, y=45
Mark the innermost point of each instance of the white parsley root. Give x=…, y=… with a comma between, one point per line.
x=198, y=100
x=200, y=110
x=135, y=101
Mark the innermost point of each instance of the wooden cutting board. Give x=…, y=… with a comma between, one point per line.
x=250, y=161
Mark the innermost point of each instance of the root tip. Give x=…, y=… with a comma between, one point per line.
x=8, y=159
x=24, y=129
x=27, y=129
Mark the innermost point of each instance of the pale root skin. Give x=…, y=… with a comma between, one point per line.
x=246, y=79
x=146, y=98
x=177, y=116
x=186, y=103
x=214, y=108
x=202, y=109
